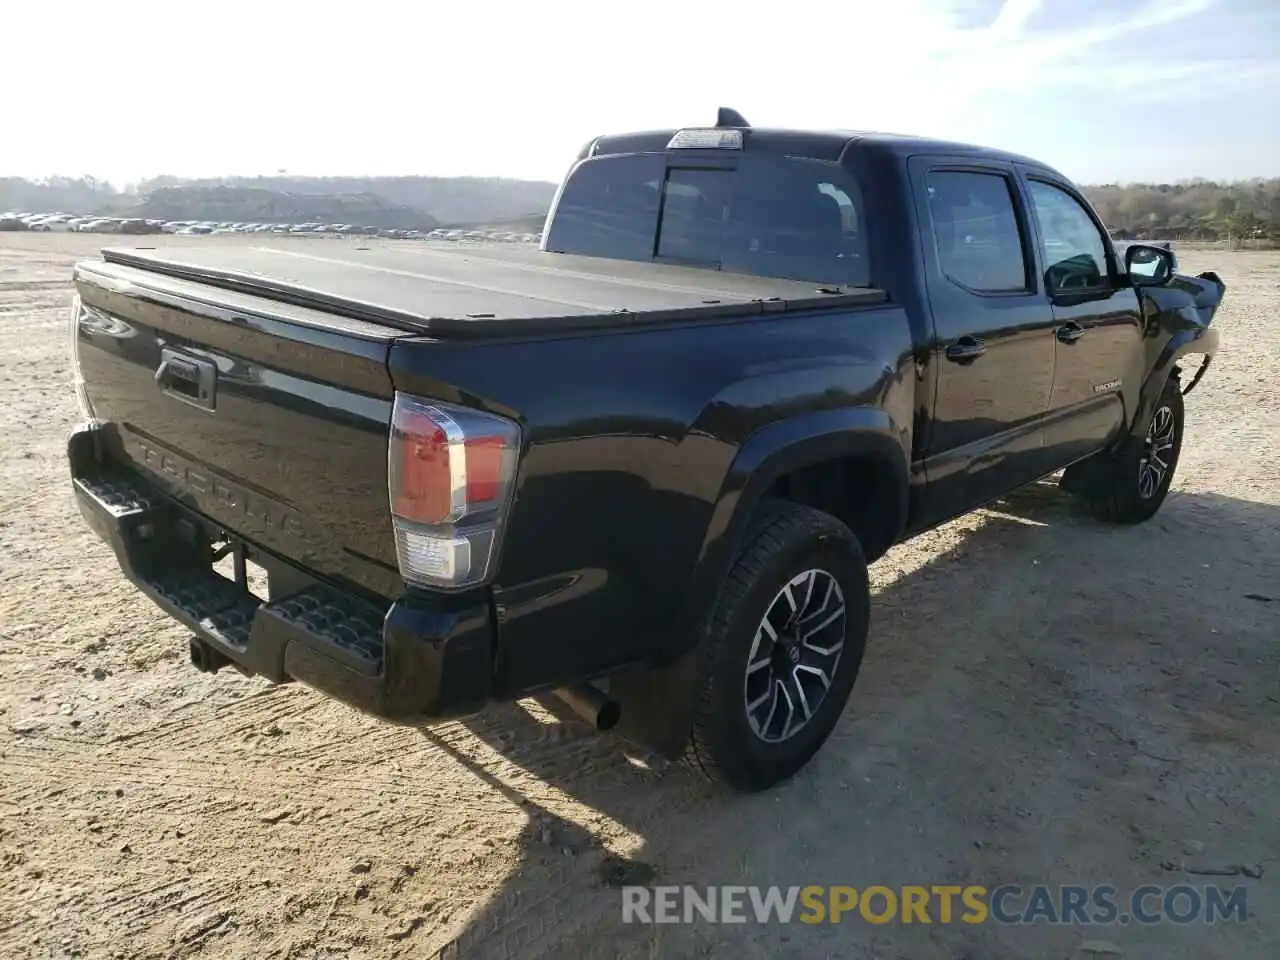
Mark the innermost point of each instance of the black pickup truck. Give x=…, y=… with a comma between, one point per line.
x=643, y=467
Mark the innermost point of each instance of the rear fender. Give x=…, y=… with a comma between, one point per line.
x=768, y=454
x=657, y=701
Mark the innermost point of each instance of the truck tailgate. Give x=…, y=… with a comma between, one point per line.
x=269, y=419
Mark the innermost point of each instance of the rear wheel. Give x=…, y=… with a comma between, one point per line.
x=1140, y=473
x=784, y=648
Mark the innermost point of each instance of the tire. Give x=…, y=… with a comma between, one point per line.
x=820, y=560
x=1134, y=487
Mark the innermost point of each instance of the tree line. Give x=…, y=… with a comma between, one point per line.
x=421, y=202
x=1186, y=210
x=1190, y=209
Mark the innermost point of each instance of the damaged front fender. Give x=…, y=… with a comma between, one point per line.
x=1176, y=321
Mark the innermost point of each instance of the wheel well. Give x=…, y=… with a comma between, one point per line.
x=858, y=491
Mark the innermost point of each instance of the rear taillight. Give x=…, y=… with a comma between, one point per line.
x=77, y=378
x=450, y=474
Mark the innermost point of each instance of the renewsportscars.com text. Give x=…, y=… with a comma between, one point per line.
x=942, y=904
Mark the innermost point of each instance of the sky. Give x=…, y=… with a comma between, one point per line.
x=1104, y=90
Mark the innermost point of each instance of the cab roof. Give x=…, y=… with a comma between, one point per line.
x=830, y=145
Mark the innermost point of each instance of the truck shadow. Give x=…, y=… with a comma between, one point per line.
x=1009, y=679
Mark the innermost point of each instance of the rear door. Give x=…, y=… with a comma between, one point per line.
x=993, y=349
x=1097, y=322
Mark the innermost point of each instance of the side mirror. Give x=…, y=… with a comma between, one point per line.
x=1149, y=266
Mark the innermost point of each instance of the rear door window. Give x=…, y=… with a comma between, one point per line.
x=976, y=230
x=773, y=217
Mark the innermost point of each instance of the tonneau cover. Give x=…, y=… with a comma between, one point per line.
x=480, y=290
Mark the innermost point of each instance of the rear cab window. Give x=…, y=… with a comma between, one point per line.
x=609, y=208
x=784, y=217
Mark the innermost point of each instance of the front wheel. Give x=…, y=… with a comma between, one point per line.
x=783, y=650
x=1139, y=474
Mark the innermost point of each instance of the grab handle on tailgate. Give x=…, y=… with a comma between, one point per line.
x=188, y=379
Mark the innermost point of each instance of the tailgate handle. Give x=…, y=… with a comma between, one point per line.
x=188, y=379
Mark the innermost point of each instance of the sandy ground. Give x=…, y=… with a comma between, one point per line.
x=1045, y=700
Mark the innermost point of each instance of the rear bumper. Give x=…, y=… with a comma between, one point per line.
x=412, y=661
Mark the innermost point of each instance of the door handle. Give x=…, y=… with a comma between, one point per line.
x=1070, y=332
x=966, y=350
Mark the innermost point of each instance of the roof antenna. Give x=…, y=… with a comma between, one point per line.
x=728, y=117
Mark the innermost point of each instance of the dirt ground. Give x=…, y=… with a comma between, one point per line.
x=1045, y=700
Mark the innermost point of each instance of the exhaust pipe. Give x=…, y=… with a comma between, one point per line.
x=591, y=704
x=206, y=659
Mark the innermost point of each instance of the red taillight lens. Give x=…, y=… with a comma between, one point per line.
x=450, y=473
x=421, y=487
x=484, y=468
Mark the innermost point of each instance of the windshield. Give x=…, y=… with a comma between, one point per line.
x=774, y=217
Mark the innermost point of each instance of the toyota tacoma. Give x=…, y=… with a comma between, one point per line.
x=643, y=466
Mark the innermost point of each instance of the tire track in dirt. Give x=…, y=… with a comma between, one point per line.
x=64, y=763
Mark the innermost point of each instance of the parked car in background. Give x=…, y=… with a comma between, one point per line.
x=100, y=225
x=57, y=223
x=137, y=227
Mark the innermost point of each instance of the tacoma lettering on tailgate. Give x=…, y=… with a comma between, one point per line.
x=221, y=498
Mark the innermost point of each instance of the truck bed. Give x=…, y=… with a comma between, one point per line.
x=482, y=290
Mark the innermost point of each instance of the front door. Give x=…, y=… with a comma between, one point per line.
x=1097, y=324
x=993, y=348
